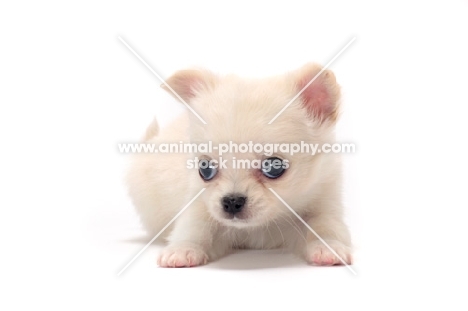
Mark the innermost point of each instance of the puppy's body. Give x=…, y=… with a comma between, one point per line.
x=239, y=110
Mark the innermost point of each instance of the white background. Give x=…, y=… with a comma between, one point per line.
x=70, y=92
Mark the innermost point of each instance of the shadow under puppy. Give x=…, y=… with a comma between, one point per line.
x=237, y=209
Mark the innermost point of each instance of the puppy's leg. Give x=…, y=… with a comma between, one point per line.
x=331, y=228
x=193, y=241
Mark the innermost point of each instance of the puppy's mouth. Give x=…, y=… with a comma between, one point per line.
x=238, y=221
x=237, y=218
x=237, y=210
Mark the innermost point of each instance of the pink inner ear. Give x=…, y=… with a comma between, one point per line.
x=185, y=84
x=316, y=98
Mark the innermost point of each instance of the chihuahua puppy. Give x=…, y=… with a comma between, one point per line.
x=237, y=208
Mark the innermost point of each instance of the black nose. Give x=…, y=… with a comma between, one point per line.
x=233, y=203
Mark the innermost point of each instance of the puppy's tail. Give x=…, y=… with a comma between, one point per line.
x=152, y=130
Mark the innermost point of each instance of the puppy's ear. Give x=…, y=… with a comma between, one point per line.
x=187, y=83
x=321, y=97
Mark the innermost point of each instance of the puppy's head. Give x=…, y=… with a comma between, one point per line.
x=239, y=112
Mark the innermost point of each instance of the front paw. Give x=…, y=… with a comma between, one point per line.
x=175, y=256
x=318, y=254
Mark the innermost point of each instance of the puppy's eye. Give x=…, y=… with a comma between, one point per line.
x=273, y=167
x=207, y=170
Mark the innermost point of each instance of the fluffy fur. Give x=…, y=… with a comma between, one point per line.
x=239, y=110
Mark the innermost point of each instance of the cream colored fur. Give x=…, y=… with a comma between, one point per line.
x=239, y=110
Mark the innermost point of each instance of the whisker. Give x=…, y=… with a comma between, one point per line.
x=294, y=225
x=279, y=229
